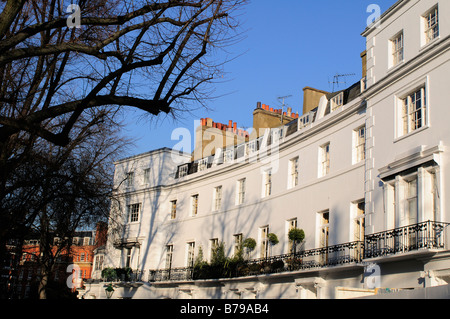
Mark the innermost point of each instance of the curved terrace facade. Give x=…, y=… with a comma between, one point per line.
x=363, y=172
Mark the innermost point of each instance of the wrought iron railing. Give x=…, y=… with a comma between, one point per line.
x=314, y=258
x=173, y=274
x=428, y=235
x=318, y=257
x=134, y=275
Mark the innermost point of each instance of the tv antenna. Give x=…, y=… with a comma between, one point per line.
x=283, y=99
x=337, y=77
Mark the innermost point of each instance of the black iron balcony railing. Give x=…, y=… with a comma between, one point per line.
x=173, y=274
x=426, y=235
x=121, y=275
x=319, y=257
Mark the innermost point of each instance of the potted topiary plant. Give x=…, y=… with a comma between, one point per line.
x=273, y=240
x=297, y=236
x=249, y=244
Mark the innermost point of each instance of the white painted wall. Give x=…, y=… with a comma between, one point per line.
x=426, y=65
x=345, y=184
x=312, y=195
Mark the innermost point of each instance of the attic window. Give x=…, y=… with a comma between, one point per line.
x=183, y=170
x=202, y=164
x=337, y=101
x=229, y=156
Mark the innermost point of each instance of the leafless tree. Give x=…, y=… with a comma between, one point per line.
x=151, y=55
x=57, y=190
x=60, y=83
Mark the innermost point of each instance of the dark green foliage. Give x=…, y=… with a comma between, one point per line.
x=113, y=274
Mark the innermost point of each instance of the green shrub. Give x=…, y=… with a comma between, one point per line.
x=273, y=239
x=297, y=236
x=109, y=274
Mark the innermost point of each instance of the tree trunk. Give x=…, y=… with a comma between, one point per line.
x=43, y=285
x=45, y=252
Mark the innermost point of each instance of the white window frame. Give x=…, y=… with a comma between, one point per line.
x=252, y=147
x=264, y=241
x=411, y=200
x=130, y=179
x=194, y=205
x=128, y=256
x=228, y=156
x=324, y=159
x=134, y=212
x=202, y=164
x=407, y=110
x=323, y=233
x=183, y=170
x=359, y=144
x=169, y=256
x=358, y=220
x=147, y=176
x=267, y=183
x=190, y=253
x=430, y=25
x=293, y=172
x=240, y=191
x=337, y=101
x=397, y=49
x=217, y=198
x=173, y=209
x=426, y=198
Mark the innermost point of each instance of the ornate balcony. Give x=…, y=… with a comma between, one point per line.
x=427, y=235
x=308, y=259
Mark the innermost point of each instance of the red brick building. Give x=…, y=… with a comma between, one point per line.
x=71, y=268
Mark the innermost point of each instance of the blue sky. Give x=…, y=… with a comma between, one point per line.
x=288, y=44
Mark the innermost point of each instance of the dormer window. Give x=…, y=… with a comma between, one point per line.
x=252, y=146
x=183, y=170
x=202, y=164
x=229, y=156
x=337, y=101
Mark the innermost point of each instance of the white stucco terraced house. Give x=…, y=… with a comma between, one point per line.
x=365, y=174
